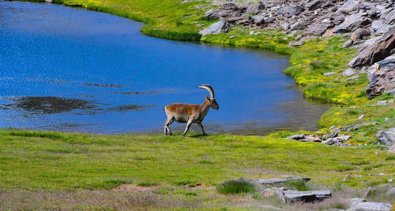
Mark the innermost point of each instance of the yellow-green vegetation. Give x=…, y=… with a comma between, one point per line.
x=53, y=161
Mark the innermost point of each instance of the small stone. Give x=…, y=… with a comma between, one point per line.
x=381, y=103
x=361, y=117
x=349, y=72
x=348, y=43
x=329, y=73
x=285, y=26
x=391, y=192
x=329, y=141
x=312, y=138
x=297, y=137
x=355, y=201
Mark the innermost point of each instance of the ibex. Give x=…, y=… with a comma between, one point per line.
x=189, y=113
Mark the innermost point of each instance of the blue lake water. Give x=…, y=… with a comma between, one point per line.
x=69, y=69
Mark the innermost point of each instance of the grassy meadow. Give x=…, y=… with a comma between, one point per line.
x=48, y=170
x=171, y=169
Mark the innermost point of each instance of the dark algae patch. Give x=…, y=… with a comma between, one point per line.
x=47, y=105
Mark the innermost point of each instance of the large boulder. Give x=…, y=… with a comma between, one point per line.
x=381, y=76
x=352, y=22
x=216, y=28
x=387, y=137
x=371, y=206
x=381, y=49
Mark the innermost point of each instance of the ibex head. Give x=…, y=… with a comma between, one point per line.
x=211, y=99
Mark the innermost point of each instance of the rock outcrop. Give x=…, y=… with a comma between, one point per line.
x=358, y=20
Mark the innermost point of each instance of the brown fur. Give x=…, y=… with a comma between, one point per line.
x=190, y=113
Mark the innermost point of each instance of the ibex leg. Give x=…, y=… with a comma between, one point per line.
x=201, y=126
x=189, y=123
x=166, y=129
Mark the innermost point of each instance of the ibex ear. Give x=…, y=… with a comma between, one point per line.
x=208, y=98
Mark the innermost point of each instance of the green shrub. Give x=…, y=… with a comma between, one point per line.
x=235, y=187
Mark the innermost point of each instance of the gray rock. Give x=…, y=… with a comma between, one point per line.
x=349, y=72
x=381, y=103
x=259, y=19
x=297, y=137
x=371, y=206
x=361, y=125
x=318, y=28
x=289, y=10
x=389, y=17
x=360, y=34
x=351, y=23
x=377, y=51
x=316, y=4
x=269, y=19
x=348, y=43
x=387, y=137
x=329, y=141
x=254, y=8
x=337, y=18
x=312, y=138
x=350, y=6
x=355, y=201
x=329, y=73
x=277, y=181
x=285, y=26
x=216, y=28
x=379, y=27
x=381, y=76
x=391, y=192
x=291, y=196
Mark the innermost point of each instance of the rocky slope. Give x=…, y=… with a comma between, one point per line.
x=368, y=26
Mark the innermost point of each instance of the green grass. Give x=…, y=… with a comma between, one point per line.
x=48, y=160
x=236, y=187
